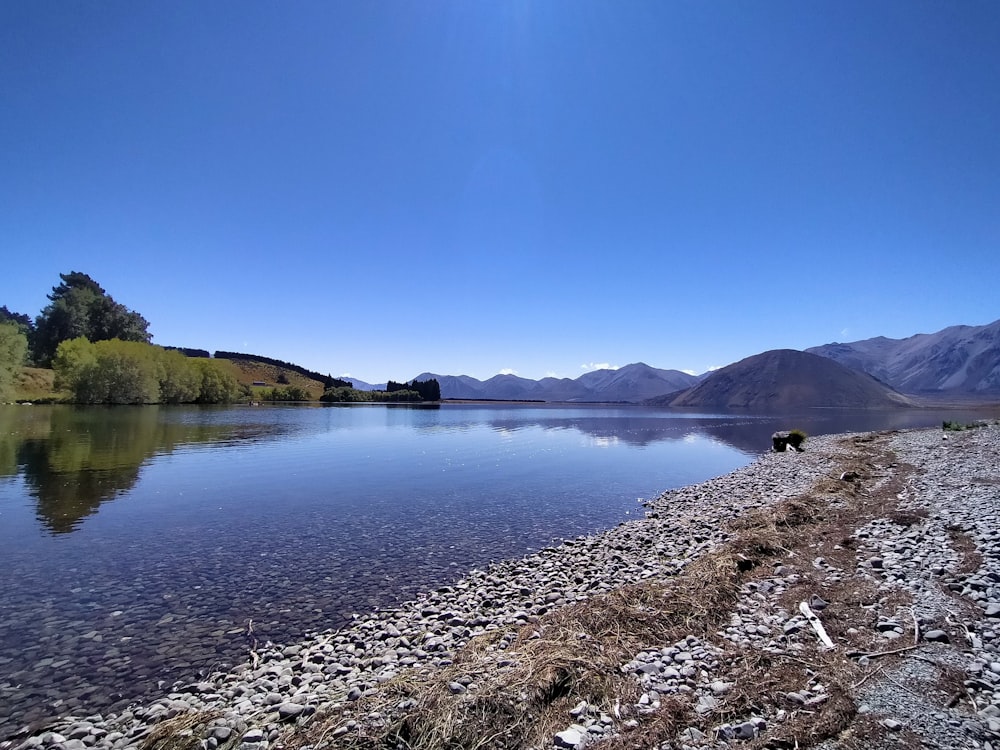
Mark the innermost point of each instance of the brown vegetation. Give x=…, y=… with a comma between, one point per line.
x=34, y=384
x=248, y=372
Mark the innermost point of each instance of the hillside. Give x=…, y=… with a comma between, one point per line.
x=956, y=361
x=249, y=372
x=789, y=379
x=34, y=384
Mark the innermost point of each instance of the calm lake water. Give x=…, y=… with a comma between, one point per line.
x=137, y=542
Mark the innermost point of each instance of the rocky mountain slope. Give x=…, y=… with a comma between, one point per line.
x=960, y=360
x=788, y=379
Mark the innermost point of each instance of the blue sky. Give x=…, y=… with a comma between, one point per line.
x=387, y=188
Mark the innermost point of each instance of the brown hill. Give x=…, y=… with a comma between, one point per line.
x=789, y=379
x=249, y=372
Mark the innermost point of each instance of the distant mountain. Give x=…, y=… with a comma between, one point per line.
x=462, y=385
x=363, y=386
x=630, y=384
x=960, y=360
x=789, y=379
x=636, y=382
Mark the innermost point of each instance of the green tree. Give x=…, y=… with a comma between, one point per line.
x=108, y=372
x=72, y=360
x=13, y=349
x=180, y=381
x=218, y=384
x=131, y=372
x=80, y=307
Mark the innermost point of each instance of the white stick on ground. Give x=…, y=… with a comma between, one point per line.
x=816, y=624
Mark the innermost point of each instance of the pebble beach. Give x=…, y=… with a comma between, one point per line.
x=888, y=609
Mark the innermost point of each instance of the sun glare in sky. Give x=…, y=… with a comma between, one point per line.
x=474, y=188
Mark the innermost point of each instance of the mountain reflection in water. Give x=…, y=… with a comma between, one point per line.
x=73, y=459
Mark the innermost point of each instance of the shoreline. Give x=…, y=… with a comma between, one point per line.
x=284, y=691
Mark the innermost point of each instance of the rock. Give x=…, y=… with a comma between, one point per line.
x=706, y=704
x=287, y=711
x=893, y=725
x=221, y=733
x=818, y=603
x=254, y=736
x=936, y=635
x=568, y=738
x=725, y=732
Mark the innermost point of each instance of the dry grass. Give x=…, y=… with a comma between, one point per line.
x=35, y=384
x=248, y=371
x=972, y=559
x=183, y=732
x=523, y=692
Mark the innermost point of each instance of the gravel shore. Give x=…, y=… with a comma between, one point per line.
x=895, y=553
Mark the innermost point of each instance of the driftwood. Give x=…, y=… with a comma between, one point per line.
x=877, y=654
x=816, y=624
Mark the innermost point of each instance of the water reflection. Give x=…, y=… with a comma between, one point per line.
x=747, y=432
x=74, y=459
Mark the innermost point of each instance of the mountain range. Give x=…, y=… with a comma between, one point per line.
x=960, y=363
x=631, y=384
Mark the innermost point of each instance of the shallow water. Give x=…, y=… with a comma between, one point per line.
x=137, y=543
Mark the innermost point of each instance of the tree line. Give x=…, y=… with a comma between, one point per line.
x=414, y=391
x=428, y=390
x=131, y=372
x=101, y=354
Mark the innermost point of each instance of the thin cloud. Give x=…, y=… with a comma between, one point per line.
x=508, y=371
x=689, y=372
x=598, y=366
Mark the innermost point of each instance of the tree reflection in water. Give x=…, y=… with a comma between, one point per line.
x=74, y=459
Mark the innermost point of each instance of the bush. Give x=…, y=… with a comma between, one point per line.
x=132, y=372
x=958, y=426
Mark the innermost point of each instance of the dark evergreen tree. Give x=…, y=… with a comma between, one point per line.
x=80, y=307
x=24, y=323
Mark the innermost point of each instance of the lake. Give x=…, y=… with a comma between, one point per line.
x=137, y=542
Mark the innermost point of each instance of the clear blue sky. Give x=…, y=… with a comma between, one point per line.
x=386, y=188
